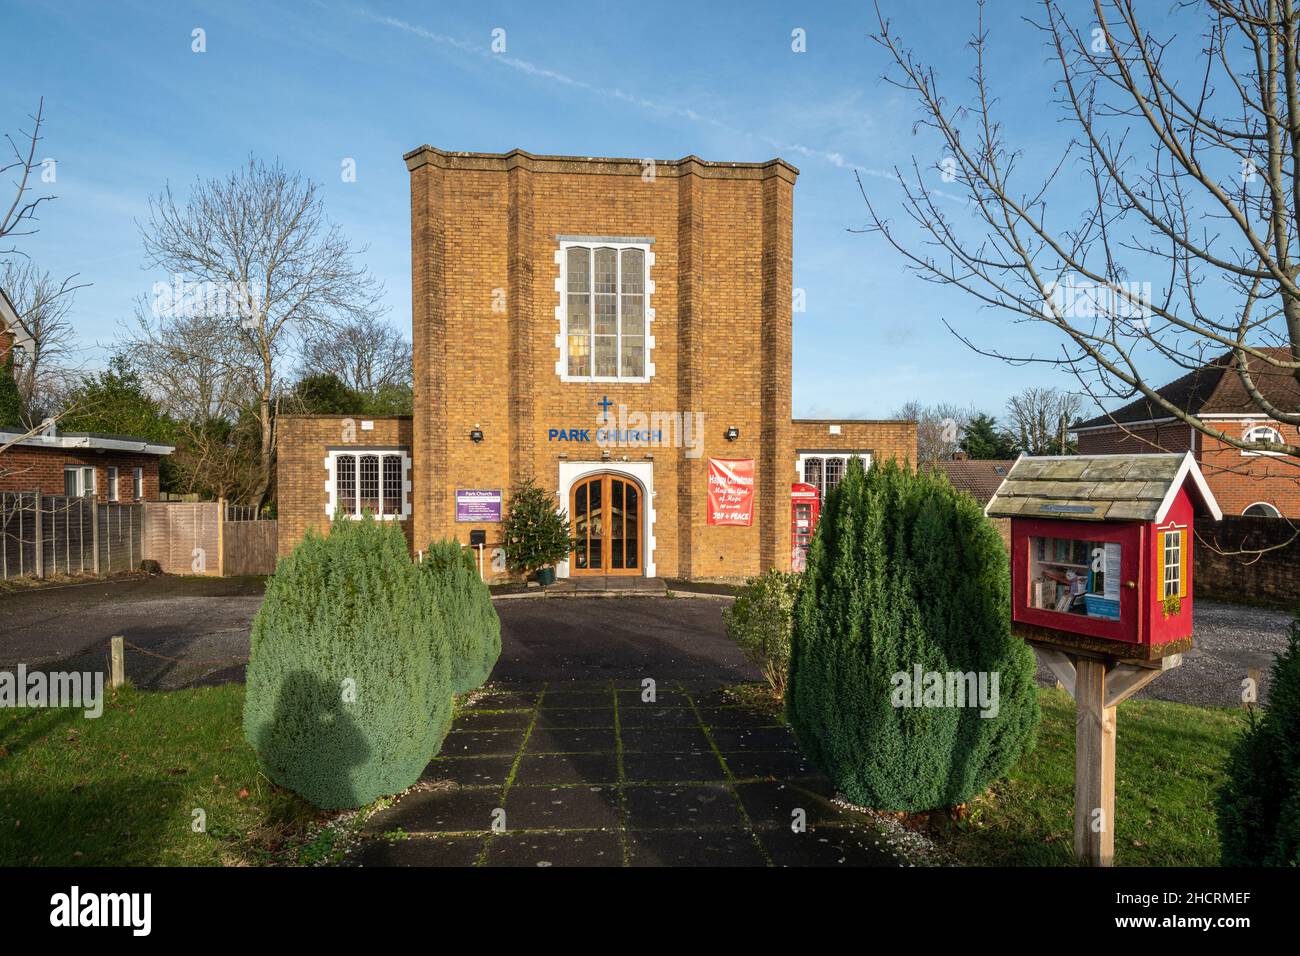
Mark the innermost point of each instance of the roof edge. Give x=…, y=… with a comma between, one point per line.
x=427, y=155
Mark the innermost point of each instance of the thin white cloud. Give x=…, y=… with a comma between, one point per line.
x=830, y=157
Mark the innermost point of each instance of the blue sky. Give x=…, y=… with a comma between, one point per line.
x=129, y=108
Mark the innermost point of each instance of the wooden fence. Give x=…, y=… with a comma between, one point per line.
x=45, y=535
x=249, y=547
x=184, y=537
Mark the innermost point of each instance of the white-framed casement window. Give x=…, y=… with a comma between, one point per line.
x=1262, y=433
x=137, y=483
x=78, y=480
x=825, y=470
x=1173, y=562
x=373, y=481
x=112, y=482
x=604, y=311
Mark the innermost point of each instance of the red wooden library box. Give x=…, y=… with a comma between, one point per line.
x=1101, y=550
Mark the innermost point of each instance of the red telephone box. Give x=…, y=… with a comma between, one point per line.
x=805, y=506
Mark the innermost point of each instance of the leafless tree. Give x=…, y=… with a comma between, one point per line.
x=18, y=218
x=1039, y=419
x=255, y=252
x=939, y=428
x=43, y=372
x=1183, y=244
x=367, y=354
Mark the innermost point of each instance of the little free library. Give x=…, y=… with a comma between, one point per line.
x=620, y=332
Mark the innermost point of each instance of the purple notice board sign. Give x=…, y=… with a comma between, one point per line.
x=478, y=504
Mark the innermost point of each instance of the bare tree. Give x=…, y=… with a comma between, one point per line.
x=255, y=252
x=1183, y=245
x=367, y=354
x=43, y=372
x=1040, y=419
x=939, y=428
x=18, y=218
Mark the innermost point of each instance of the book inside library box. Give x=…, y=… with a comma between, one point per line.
x=1075, y=577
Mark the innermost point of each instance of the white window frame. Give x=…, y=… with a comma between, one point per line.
x=1174, y=535
x=137, y=483
x=1271, y=433
x=843, y=456
x=113, y=486
x=331, y=483
x=1262, y=504
x=618, y=244
x=79, y=482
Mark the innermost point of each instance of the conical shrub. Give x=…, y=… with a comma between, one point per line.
x=1259, y=805
x=472, y=627
x=906, y=578
x=348, y=690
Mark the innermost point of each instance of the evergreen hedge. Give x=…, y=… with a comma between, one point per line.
x=1259, y=806
x=348, y=690
x=472, y=627
x=904, y=571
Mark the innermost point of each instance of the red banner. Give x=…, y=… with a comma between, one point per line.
x=731, y=491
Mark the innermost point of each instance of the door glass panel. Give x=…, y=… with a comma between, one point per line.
x=631, y=525
x=616, y=525
x=580, y=527
x=596, y=523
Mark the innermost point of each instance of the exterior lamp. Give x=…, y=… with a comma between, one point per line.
x=476, y=434
x=732, y=433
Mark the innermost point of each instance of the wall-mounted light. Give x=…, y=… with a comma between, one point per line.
x=476, y=434
x=732, y=433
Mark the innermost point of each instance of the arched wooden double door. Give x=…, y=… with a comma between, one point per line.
x=607, y=516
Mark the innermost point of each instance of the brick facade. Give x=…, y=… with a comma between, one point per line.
x=1237, y=480
x=25, y=468
x=486, y=233
x=301, y=475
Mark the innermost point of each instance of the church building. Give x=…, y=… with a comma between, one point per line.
x=620, y=332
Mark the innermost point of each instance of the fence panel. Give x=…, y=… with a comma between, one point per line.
x=121, y=537
x=183, y=537
x=249, y=547
x=17, y=534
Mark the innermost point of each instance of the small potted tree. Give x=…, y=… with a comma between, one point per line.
x=536, y=534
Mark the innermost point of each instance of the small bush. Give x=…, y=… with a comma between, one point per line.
x=1259, y=806
x=349, y=675
x=906, y=574
x=759, y=621
x=472, y=627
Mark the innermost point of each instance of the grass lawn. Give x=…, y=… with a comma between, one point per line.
x=1170, y=760
x=122, y=789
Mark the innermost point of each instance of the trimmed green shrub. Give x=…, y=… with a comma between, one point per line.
x=348, y=692
x=1259, y=806
x=759, y=621
x=473, y=630
x=535, y=533
x=907, y=578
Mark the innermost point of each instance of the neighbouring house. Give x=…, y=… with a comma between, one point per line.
x=109, y=467
x=1252, y=483
x=979, y=478
x=617, y=330
x=13, y=333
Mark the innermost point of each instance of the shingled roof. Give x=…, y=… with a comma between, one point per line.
x=1099, y=487
x=979, y=478
x=1214, y=388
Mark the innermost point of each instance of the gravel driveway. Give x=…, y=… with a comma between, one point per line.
x=203, y=623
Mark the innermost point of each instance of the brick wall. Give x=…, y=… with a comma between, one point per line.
x=884, y=439
x=1272, y=578
x=484, y=232
x=1237, y=480
x=301, y=476
x=25, y=468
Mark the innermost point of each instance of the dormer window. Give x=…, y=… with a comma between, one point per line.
x=604, y=311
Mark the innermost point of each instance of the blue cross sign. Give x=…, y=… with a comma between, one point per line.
x=604, y=403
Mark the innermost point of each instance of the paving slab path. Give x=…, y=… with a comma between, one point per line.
x=595, y=773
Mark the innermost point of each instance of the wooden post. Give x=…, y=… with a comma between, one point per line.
x=1094, y=765
x=221, y=537
x=117, y=672
x=94, y=534
x=40, y=542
